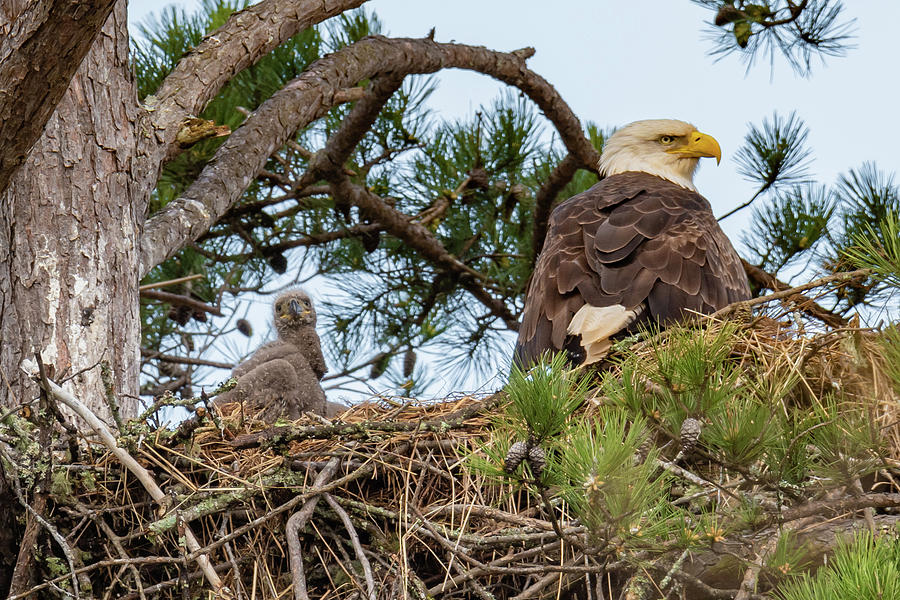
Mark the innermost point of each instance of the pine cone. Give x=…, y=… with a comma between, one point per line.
x=380, y=365
x=244, y=326
x=517, y=453
x=690, y=434
x=537, y=460
x=370, y=240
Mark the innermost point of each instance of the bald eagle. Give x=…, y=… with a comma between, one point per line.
x=642, y=246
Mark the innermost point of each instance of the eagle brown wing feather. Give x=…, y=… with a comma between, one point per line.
x=633, y=239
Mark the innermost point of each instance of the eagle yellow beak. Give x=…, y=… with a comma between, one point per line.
x=699, y=145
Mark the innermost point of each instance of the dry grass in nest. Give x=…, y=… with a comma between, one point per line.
x=427, y=526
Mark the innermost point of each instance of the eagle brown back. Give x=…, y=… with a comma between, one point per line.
x=647, y=248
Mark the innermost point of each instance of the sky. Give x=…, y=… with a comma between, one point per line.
x=617, y=62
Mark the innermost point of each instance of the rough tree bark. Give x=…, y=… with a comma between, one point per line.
x=70, y=220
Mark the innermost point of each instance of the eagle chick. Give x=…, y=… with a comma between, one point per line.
x=281, y=379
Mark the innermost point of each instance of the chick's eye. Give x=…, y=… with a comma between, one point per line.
x=666, y=139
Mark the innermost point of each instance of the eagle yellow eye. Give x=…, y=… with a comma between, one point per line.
x=666, y=139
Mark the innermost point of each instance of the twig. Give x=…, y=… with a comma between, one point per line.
x=745, y=204
x=822, y=281
x=297, y=521
x=277, y=436
x=804, y=303
x=357, y=547
x=365, y=469
x=184, y=360
x=538, y=586
x=159, y=284
x=182, y=300
x=60, y=540
x=837, y=506
x=113, y=562
x=664, y=583
x=696, y=480
x=116, y=542
x=139, y=472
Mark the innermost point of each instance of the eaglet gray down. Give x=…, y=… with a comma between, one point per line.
x=281, y=379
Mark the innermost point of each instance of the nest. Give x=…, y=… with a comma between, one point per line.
x=379, y=503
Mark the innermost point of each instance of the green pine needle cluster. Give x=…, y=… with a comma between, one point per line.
x=799, y=226
x=797, y=31
x=606, y=446
x=863, y=568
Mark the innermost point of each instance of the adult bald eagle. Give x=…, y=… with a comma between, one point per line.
x=641, y=246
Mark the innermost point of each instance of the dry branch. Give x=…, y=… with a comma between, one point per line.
x=296, y=522
x=138, y=470
x=789, y=293
x=808, y=305
x=181, y=301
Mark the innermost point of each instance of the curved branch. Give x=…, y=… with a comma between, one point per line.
x=766, y=280
x=39, y=54
x=239, y=159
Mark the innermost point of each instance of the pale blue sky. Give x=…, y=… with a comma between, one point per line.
x=617, y=62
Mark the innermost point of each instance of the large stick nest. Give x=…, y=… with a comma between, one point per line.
x=397, y=510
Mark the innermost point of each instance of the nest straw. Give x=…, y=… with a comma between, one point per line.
x=404, y=516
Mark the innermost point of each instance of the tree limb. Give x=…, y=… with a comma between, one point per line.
x=39, y=55
x=247, y=36
x=808, y=305
x=308, y=97
x=839, y=278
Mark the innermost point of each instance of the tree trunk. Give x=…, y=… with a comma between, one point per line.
x=70, y=221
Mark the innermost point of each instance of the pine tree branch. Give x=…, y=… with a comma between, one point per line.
x=183, y=360
x=40, y=51
x=353, y=128
x=308, y=97
x=422, y=240
x=559, y=177
x=841, y=278
x=171, y=298
x=745, y=204
x=806, y=304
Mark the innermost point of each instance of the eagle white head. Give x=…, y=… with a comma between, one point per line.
x=663, y=147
